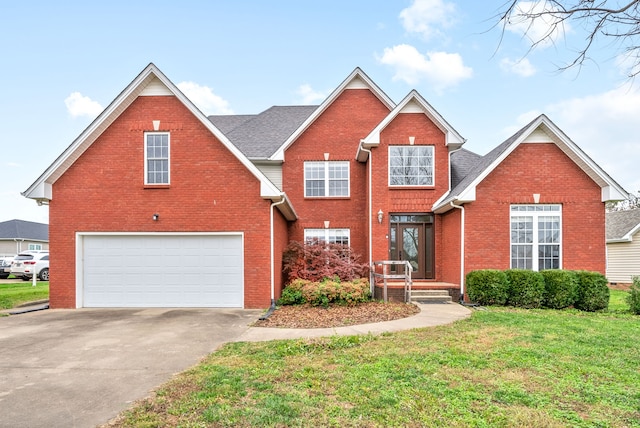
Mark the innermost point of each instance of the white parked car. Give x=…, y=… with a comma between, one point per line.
x=26, y=264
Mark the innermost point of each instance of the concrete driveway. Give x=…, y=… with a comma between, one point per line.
x=81, y=367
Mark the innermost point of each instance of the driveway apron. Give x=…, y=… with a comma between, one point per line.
x=81, y=367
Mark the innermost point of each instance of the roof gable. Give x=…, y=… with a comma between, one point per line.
x=412, y=103
x=356, y=80
x=151, y=81
x=539, y=130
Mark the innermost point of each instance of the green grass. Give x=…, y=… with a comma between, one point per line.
x=502, y=367
x=12, y=295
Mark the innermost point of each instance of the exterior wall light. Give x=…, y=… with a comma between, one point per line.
x=156, y=217
x=380, y=214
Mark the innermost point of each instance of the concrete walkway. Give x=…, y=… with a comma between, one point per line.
x=430, y=315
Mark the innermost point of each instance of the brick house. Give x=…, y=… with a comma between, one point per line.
x=156, y=204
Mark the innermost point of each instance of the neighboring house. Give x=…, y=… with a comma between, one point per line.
x=623, y=246
x=156, y=204
x=21, y=235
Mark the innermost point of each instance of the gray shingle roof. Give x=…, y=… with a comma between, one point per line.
x=619, y=223
x=259, y=136
x=462, y=161
x=21, y=229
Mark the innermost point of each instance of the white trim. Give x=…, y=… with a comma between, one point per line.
x=535, y=244
x=327, y=233
x=146, y=160
x=412, y=103
x=41, y=188
x=327, y=180
x=433, y=167
x=80, y=253
x=349, y=83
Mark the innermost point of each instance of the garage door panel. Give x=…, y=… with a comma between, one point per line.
x=162, y=271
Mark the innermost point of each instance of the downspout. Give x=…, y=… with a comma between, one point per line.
x=370, y=218
x=273, y=258
x=461, y=208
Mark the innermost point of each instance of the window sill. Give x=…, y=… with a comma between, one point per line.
x=324, y=198
x=156, y=186
x=411, y=187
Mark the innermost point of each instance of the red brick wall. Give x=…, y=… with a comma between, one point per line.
x=449, y=251
x=281, y=239
x=337, y=131
x=210, y=191
x=407, y=200
x=543, y=169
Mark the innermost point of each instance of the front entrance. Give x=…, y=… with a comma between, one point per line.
x=411, y=238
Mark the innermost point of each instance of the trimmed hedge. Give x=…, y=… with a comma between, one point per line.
x=325, y=292
x=592, y=292
x=560, y=288
x=556, y=289
x=526, y=288
x=487, y=286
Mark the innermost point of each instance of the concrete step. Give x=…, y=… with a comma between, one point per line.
x=430, y=296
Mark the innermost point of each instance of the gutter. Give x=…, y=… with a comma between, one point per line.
x=461, y=208
x=370, y=203
x=272, y=244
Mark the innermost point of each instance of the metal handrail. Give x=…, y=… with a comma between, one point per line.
x=385, y=275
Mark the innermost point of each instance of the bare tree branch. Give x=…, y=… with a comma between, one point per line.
x=601, y=19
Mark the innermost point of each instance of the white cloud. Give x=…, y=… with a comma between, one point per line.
x=427, y=16
x=540, y=29
x=520, y=67
x=79, y=105
x=605, y=127
x=204, y=98
x=308, y=95
x=441, y=69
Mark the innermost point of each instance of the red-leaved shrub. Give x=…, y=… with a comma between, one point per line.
x=318, y=260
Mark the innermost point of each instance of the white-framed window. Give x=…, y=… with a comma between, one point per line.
x=35, y=247
x=332, y=236
x=411, y=166
x=326, y=179
x=156, y=158
x=536, y=237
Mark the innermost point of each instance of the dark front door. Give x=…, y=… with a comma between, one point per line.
x=411, y=239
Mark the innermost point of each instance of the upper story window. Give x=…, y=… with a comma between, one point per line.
x=156, y=158
x=325, y=179
x=411, y=166
x=536, y=237
x=332, y=236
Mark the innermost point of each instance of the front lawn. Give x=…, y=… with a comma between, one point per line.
x=502, y=367
x=12, y=295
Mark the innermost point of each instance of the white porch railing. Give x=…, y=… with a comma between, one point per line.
x=381, y=271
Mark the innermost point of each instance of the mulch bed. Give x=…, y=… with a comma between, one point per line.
x=307, y=316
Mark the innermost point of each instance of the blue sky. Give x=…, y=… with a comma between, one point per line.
x=63, y=62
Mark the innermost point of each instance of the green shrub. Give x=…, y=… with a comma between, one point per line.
x=526, y=288
x=292, y=293
x=326, y=292
x=592, y=291
x=560, y=288
x=487, y=286
x=633, y=298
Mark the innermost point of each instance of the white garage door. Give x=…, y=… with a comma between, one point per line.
x=162, y=270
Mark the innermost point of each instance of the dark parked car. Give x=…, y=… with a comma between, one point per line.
x=5, y=266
